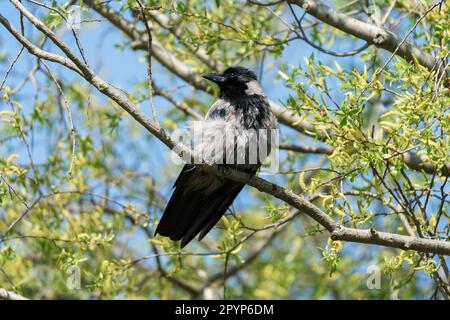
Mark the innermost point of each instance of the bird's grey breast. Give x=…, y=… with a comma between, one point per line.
x=235, y=116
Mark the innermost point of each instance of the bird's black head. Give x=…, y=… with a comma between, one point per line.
x=233, y=81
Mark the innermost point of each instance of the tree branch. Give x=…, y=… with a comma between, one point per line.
x=8, y=295
x=178, y=104
x=306, y=149
x=371, y=33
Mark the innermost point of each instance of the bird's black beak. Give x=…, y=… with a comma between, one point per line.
x=214, y=77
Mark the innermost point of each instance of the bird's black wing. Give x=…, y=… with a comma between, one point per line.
x=190, y=212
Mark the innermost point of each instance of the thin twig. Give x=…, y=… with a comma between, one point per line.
x=10, y=67
x=69, y=115
x=22, y=31
x=312, y=44
x=149, y=64
x=378, y=73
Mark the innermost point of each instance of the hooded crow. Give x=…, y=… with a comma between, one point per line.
x=200, y=199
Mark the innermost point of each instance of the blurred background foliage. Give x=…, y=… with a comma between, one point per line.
x=77, y=221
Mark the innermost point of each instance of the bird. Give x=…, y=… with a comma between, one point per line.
x=200, y=199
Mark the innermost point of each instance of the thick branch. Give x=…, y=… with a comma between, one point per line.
x=338, y=232
x=372, y=236
x=371, y=33
x=8, y=295
x=306, y=149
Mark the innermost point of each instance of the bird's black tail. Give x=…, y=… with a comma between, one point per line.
x=190, y=213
